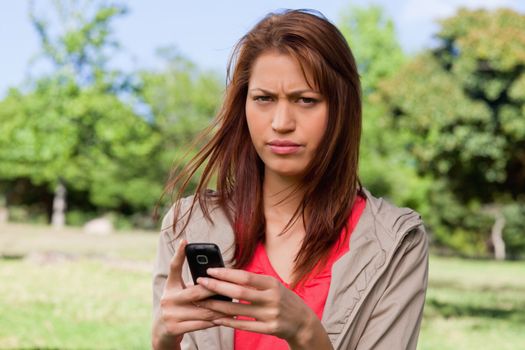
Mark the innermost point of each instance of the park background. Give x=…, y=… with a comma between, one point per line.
x=99, y=99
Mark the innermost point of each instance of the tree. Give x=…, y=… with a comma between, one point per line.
x=372, y=38
x=464, y=105
x=182, y=101
x=72, y=130
x=78, y=41
x=81, y=139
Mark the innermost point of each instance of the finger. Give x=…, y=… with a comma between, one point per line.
x=191, y=313
x=175, y=273
x=242, y=277
x=231, y=290
x=234, y=309
x=190, y=326
x=247, y=325
x=189, y=295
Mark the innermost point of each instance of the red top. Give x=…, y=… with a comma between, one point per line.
x=313, y=291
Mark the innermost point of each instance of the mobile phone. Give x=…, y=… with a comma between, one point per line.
x=202, y=256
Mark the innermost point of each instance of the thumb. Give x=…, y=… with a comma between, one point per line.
x=175, y=273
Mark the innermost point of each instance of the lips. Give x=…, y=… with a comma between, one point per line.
x=283, y=146
x=283, y=143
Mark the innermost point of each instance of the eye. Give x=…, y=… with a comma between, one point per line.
x=262, y=98
x=307, y=100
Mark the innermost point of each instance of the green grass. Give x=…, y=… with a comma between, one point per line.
x=66, y=290
x=19, y=239
x=75, y=305
x=474, y=305
x=74, y=291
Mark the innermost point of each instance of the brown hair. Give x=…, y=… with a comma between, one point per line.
x=330, y=182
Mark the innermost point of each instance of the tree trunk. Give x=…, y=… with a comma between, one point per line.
x=58, y=219
x=497, y=235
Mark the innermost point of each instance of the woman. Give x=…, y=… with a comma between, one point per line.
x=316, y=261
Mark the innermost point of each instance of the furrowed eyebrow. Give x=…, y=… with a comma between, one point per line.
x=293, y=93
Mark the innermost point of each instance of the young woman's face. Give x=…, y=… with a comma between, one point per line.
x=286, y=118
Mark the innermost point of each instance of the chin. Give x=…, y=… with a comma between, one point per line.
x=291, y=168
x=287, y=172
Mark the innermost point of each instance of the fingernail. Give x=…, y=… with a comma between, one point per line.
x=217, y=322
x=212, y=271
x=202, y=280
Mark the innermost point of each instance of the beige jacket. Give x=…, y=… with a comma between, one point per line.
x=377, y=292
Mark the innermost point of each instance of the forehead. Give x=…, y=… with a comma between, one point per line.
x=277, y=69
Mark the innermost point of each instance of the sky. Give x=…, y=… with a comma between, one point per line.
x=206, y=31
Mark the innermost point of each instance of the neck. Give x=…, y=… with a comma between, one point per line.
x=281, y=192
x=281, y=196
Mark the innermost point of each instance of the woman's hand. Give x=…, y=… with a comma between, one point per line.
x=179, y=313
x=275, y=309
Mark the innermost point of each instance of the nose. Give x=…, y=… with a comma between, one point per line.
x=283, y=120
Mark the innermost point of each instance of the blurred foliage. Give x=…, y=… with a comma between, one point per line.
x=80, y=125
x=459, y=226
x=73, y=126
x=386, y=168
x=514, y=234
x=464, y=107
x=371, y=34
x=76, y=37
x=182, y=101
x=90, y=140
x=32, y=214
x=79, y=217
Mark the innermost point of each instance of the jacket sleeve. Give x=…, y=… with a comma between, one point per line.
x=169, y=239
x=396, y=318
